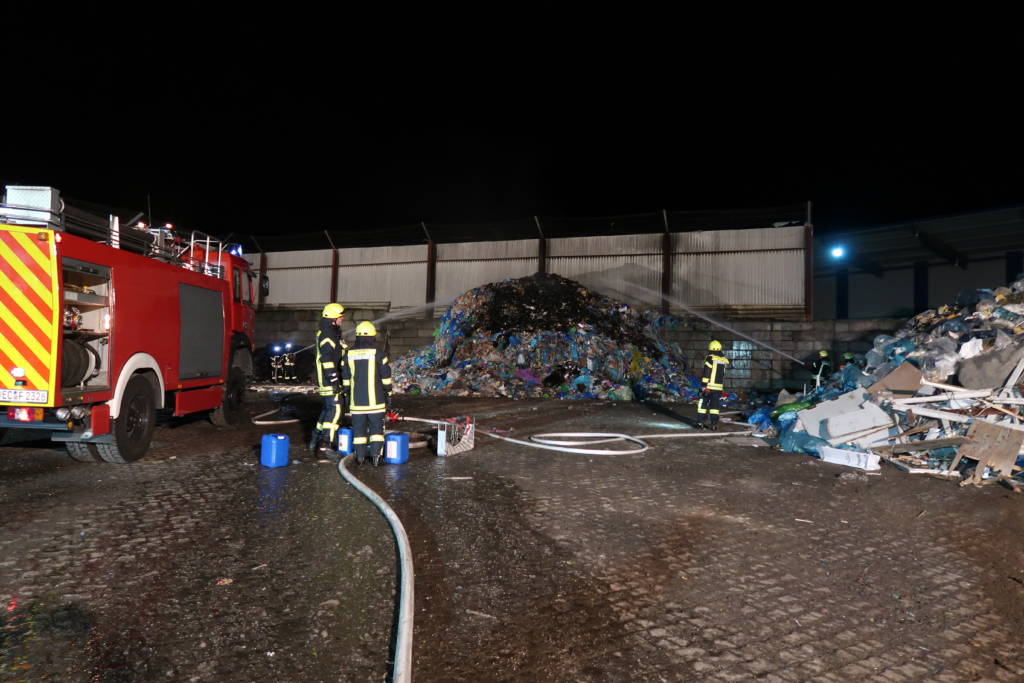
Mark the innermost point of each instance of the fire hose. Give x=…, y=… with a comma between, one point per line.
x=401, y=671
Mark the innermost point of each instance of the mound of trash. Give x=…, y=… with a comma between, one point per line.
x=941, y=395
x=551, y=337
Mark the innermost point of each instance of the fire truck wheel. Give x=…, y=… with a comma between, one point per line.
x=133, y=428
x=232, y=410
x=82, y=452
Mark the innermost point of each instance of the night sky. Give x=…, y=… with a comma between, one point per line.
x=231, y=135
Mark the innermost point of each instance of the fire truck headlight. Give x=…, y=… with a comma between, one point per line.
x=277, y=349
x=288, y=345
x=78, y=412
x=63, y=414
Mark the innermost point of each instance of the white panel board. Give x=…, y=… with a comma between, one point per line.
x=739, y=240
x=485, y=250
x=401, y=284
x=768, y=278
x=636, y=280
x=596, y=246
x=457, y=277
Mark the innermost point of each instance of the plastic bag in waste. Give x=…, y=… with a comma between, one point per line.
x=883, y=340
x=801, y=442
x=761, y=418
x=938, y=367
x=790, y=407
x=940, y=346
x=872, y=359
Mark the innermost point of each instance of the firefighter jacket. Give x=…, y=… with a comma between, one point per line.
x=330, y=353
x=714, y=372
x=366, y=377
x=822, y=368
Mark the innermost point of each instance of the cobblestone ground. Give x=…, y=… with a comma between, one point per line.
x=697, y=560
x=713, y=560
x=194, y=563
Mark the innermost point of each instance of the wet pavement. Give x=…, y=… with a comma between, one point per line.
x=697, y=560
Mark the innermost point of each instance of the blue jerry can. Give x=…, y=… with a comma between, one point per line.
x=345, y=441
x=274, y=450
x=396, y=448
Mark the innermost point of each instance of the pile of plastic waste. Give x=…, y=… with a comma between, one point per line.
x=941, y=395
x=547, y=336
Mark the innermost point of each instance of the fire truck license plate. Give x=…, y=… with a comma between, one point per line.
x=22, y=396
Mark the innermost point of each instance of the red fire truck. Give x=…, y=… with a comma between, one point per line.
x=101, y=325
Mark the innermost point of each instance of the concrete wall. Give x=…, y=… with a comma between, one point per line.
x=753, y=365
x=298, y=326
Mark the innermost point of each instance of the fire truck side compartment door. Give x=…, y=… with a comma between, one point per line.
x=202, y=332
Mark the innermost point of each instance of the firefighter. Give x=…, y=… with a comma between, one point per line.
x=330, y=354
x=366, y=378
x=289, y=367
x=821, y=367
x=713, y=378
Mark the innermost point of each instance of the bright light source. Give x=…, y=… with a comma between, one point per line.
x=277, y=349
x=837, y=252
x=288, y=345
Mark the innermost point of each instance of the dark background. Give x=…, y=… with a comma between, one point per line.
x=310, y=127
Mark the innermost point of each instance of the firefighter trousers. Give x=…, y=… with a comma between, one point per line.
x=709, y=404
x=330, y=420
x=368, y=434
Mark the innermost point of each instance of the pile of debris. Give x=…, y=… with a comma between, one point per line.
x=942, y=395
x=547, y=336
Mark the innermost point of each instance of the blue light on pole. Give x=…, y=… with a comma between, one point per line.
x=837, y=252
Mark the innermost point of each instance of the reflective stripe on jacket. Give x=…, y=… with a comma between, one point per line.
x=714, y=371
x=330, y=351
x=366, y=377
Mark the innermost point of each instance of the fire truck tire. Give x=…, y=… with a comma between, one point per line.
x=232, y=411
x=82, y=452
x=133, y=427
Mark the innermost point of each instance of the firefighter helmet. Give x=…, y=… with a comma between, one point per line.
x=847, y=356
x=333, y=310
x=715, y=345
x=365, y=329
x=823, y=353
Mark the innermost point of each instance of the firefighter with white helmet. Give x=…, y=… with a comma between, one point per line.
x=330, y=354
x=366, y=378
x=821, y=367
x=713, y=380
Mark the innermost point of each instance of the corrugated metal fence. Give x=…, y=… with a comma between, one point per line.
x=755, y=272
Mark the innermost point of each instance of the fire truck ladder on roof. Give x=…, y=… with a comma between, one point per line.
x=198, y=251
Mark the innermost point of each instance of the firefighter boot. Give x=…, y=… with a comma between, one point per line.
x=314, y=441
x=378, y=455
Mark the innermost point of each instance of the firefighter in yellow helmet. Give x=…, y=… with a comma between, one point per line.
x=330, y=354
x=713, y=380
x=821, y=367
x=366, y=378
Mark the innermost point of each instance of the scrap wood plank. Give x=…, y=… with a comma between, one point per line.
x=927, y=444
x=1014, y=377
x=946, y=396
x=992, y=445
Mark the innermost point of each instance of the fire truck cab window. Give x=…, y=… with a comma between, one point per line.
x=252, y=287
x=238, y=283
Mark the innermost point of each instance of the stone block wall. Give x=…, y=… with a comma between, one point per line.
x=298, y=326
x=752, y=365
